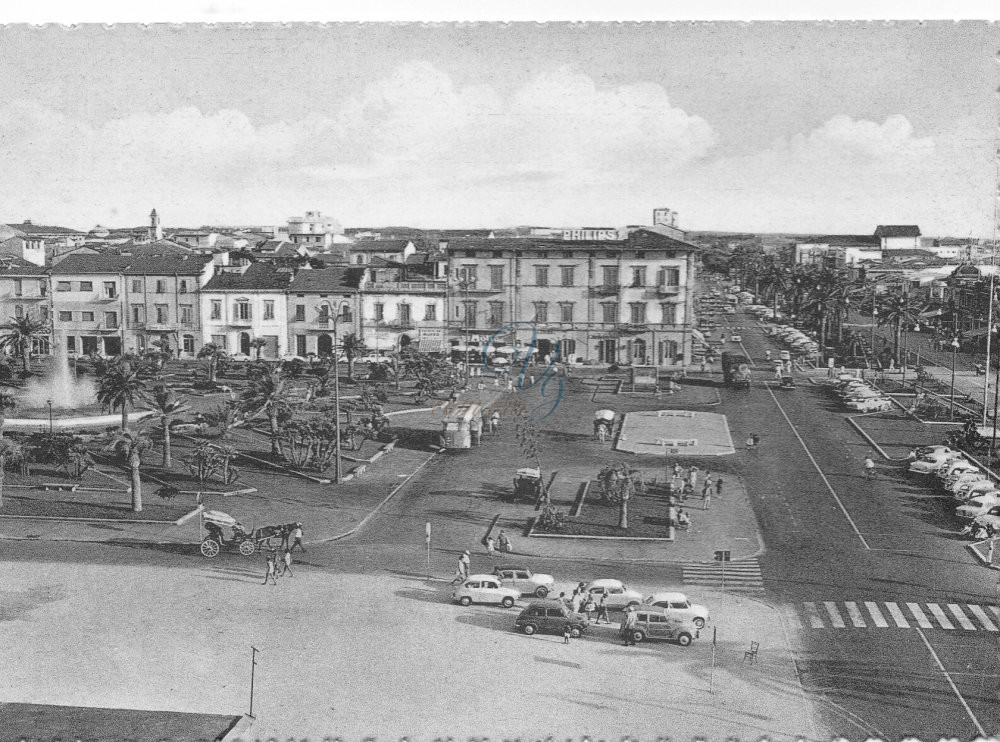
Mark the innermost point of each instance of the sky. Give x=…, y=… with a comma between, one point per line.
x=780, y=127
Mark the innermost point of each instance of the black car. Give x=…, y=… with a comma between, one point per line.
x=551, y=617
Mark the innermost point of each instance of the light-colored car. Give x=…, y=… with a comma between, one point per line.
x=871, y=404
x=930, y=463
x=736, y=338
x=978, y=506
x=976, y=489
x=678, y=605
x=958, y=464
x=655, y=623
x=990, y=518
x=374, y=358
x=485, y=589
x=927, y=450
x=966, y=477
x=859, y=394
x=524, y=580
x=618, y=594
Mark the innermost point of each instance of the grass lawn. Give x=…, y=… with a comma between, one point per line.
x=114, y=505
x=647, y=516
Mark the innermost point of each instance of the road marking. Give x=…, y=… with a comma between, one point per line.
x=961, y=617
x=897, y=616
x=855, y=614
x=919, y=615
x=826, y=481
x=877, y=616
x=975, y=721
x=995, y=611
x=813, y=614
x=942, y=619
x=979, y=613
x=835, y=619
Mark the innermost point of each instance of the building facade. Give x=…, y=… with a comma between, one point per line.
x=241, y=303
x=315, y=299
x=24, y=292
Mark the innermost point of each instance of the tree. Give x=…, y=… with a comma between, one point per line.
x=166, y=404
x=223, y=417
x=7, y=402
x=618, y=484
x=121, y=388
x=527, y=436
x=353, y=346
x=898, y=310
x=214, y=354
x=23, y=330
x=430, y=373
x=267, y=394
x=310, y=444
x=774, y=280
x=130, y=446
x=258, y=344
x=10, y=451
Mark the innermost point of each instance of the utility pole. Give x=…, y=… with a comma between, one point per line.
x=253, y=668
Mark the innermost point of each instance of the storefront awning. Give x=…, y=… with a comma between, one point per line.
x=432, y=345
x=696, y=334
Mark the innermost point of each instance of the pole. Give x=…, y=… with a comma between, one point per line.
x=996, y=403
x=711, y=681
x=989, y=338
x=427, y=531
x=723, y=574
x=253, y=667
x=336, y=403
x=954, y=358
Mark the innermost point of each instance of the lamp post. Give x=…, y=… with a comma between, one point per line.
x=336, y=388
x=49, y=403
x=954, y=358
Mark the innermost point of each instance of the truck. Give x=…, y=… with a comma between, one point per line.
x=736, y=370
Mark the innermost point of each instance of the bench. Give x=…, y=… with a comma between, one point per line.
x=59, y=487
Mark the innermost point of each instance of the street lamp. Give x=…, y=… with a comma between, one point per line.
x=49, y=403
x=954, y=358
x=336, y=386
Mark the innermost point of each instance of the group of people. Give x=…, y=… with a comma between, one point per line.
x=684, y=484
x=291, y=532
x=501, y=544
x=580, y=601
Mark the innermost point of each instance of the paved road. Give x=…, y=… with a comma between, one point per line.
x=837, y=544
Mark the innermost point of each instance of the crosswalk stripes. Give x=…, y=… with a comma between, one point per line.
x=742, y=575
x=871, y=614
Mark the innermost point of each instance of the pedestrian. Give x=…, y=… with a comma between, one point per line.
x=503, y=542
x=677, y=469
x=693, y=477
x=767, y=355
x=287, y=563
x=576, y=601
x=495, y=423
x=602, y=609
x=718, y=487
x=589, y=606
x=462, y=571
x=683, y=520
x=491, y=550
x=563, y=599
x=706, y=500
x=476, y=430
x=567, y=632
x=510, y=385
x=756, y=440
x=271, y=570
x=628, y=626
x=297, y=538
x=706, y=485
x=750, y=442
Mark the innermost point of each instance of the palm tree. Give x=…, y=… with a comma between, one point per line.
x=214, y=354
x=898, y=310
x=130, y=446
x=121, y=388
x=223, y=417
x=353, y=346
x=258, y=344
x=774, y=279
x=166, y=403
x=10, y=451
x=23, y=330
x=267, y=394
x=7, y=402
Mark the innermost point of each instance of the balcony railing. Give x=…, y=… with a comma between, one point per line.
x=409, y=287
x=656, y=291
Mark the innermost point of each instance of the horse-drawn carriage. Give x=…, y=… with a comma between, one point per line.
x=604, y=423
x=215, y=522
x=528, y=483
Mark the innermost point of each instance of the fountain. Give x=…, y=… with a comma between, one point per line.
x=62, y=390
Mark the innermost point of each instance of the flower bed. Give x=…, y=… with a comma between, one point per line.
x=647, y=517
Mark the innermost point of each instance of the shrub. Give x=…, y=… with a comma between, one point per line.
x=551, y=520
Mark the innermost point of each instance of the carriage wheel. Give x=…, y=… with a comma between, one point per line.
x=247, y=547
x=210, y=548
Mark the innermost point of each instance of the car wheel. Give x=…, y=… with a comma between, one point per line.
x=465, y=600
x=700, y=623
x=530, y=628
x=638, y=636
x=507, y=602
x=684, y=640
x=576, y=632
x=541, y=592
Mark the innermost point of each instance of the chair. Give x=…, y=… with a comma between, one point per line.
x=751, y=654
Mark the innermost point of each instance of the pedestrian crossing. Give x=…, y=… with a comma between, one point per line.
x=870, y=614
x=742, y=575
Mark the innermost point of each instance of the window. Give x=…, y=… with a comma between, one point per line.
x=242, y=308
x=496, y=312
x=637, y=313
x=220, y=341
x=64, y=286
x=566, y=312
x=496, y=276
x=111, y=320
x=380, y=312
x=541, y=275
x=110, y=289
x=65, y=316
x=217, y=309
x=324, y=314
x=187, y=314
x=268, y=309
x=71, y=344
x=138, y=313
x=639, y=276
x=567, y=348
x=609, y=312
x=405, y=314
x=86, y=285
x=18, y=310
x=86, y=316
x=43, y=312
x=541, y=311
x=300, y=345
x=669, y=314
x=430, y=312
x=300, y=312
x=18, y=287
x=40, y=346
x=670, y=277
x=162, y=316
x=187, y=343
x=136, y=285
x=470, y=313
x=183, y=287
x=466, y=273
x=567, y=275
x=610, y=276
x=161, y=286
x=43, y=288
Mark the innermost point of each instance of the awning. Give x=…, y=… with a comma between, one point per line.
x=696, y=334
x=932, y=313
x=975, y=333
x=432, y=345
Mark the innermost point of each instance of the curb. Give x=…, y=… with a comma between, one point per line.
x=237, y=730
x=868, y=438
x=91, y=520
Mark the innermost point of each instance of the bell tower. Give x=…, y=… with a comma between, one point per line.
x=155, y=230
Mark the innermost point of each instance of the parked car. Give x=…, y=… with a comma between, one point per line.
x=977, y=506
x=930, y=463
x=976, y=489
x=954, y=466
x=990, y=518
x=374, y=358
x=678, y=605
x=618, y=594
x=485, y=589
x=871, y=404
x=524, y=580
x=653, y=623
x=736, y=338
x=551, y=617
x=973, y=476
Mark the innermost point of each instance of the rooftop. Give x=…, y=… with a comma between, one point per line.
x=257, y=277
x=161, y=265
x=897, y=230
x=335, y=278
x=30, y=228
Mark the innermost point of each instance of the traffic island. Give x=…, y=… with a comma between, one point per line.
x=598, y=516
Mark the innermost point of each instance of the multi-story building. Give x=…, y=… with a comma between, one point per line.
x=109, y=303
x=404, y=302
x=625, y=301
x=367, y=251
x=898, y=236
x=315, y=298
x=24, y=293
x=241, y=303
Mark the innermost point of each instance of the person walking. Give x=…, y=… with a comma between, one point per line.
x=567, y=632
x=476, y=430
x=706, y=499
x=462, y=571
x=287, y=566
x=589, y=606
x=491, y=549
x=297, y=538
x=628, y=626
x=718, y=487
x=693, y=477
x=706, y=486
x=756, y=440
x=271, y=570
x=602, y=609
x=503, y=543
x=576, y=601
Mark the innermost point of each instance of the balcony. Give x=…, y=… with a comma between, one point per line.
x=160, y=327
x=236, y=322
x=398, y=325
x=477, y=290
x=658, y=291
x=605, y=290
x=106, y=297
x=409, y=287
